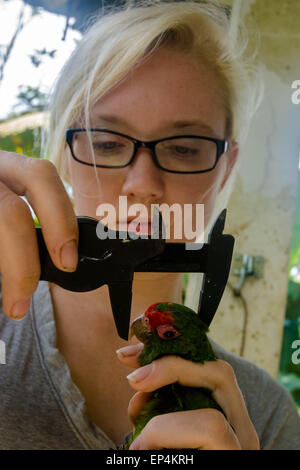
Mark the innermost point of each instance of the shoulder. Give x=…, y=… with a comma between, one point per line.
x=270, y=406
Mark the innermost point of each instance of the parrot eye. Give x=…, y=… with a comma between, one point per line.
x=167, y=332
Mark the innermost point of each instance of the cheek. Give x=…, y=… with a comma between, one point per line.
x=198, y=189
x=90, y=188
x=214, y=182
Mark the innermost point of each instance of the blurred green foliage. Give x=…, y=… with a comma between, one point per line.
x=25, y=143
x=293, y=300
x=289, y=373
x=184, y=287
x=29, y=99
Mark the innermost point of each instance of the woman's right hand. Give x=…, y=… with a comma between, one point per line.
x=38, y=180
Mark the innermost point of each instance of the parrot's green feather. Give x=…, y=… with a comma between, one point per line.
x=173, y=398
x=193, y=345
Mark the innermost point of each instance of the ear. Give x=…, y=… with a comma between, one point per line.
x=231, y=158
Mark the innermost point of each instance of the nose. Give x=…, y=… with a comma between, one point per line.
x=144, y=180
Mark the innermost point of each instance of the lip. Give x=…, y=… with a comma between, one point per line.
x=143, y=226
x=129, y=219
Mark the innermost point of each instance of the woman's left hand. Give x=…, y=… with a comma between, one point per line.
x=197, y=429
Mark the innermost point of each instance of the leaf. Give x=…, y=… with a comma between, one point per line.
x=290, y=381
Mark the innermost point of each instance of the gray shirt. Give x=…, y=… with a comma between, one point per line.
x=42, y=408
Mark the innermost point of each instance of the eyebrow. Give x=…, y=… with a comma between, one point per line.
x=111, y=119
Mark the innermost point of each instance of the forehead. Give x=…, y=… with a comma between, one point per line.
x=167, y=87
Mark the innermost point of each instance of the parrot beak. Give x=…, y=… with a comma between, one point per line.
x=138, y=329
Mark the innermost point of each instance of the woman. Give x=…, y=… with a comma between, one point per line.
x=146, y=73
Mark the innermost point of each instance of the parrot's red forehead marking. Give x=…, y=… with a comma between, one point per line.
x=152, y=307
x=157, y=318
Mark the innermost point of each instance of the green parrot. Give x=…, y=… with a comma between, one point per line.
x=170, y=328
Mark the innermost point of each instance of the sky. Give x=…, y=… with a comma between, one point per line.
x=42, y=31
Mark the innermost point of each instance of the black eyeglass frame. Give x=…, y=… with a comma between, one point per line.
x=222, y=147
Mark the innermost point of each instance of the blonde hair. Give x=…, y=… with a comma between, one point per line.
x=120, y=40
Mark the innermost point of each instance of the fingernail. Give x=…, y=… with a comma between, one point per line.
x=69, y=255
x=20, y=309
x=140, y=374
x=131, y=350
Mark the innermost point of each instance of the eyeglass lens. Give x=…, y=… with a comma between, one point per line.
x=180, y=154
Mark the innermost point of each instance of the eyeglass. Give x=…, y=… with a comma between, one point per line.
x=178, y=154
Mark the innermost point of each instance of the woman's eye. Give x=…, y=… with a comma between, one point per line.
x=183, y=151
x=104, y=146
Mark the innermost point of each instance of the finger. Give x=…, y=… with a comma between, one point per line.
x=19, y=262
x=38, y=180
x=197, y=429
x=129, y=354
x=218, y=376
x=19, y=257
x=136, y=405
